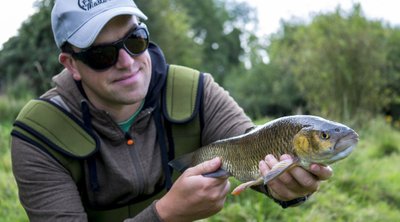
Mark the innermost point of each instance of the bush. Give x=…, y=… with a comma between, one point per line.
x=9, y=107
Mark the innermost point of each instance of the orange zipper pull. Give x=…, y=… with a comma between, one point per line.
x=130, y=142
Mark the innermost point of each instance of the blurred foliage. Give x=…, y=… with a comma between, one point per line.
x=10, y=107
x=265, y=89
x=339, y=65
x=169, y=27
x=32, y=53
x=218, y=26
x=10, y=207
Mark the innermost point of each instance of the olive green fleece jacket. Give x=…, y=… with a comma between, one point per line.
x=47, y=190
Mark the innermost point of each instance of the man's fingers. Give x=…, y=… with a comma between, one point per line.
x=285, y=177
x=205, y=167
x=264, y=168
x=308, y=182
x=270, y=160
x=321, y=172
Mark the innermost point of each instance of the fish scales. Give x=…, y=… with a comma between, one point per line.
x=241, y=155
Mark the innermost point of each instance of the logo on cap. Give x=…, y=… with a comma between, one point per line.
x=89, y=4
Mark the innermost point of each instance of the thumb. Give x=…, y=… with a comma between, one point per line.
x=205, y=167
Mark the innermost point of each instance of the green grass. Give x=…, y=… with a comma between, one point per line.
x=10, y=208
x=365, y=186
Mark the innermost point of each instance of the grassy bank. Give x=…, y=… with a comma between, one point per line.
x=365, y=186
x=10, y=208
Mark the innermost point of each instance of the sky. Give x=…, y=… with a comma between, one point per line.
x=270, y=12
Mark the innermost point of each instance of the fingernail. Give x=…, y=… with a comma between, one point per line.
x=215, y=161
x=286, y=157
x=269, y=157
x=315, y=168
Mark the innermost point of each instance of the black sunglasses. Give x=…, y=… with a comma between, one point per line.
x=102, y=57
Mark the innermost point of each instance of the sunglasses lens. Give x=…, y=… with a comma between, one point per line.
x=102, y=57
x=138, y=42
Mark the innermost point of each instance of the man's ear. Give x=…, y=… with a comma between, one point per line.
x=70, y=64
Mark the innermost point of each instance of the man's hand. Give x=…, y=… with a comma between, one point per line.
x=296, y=182
x=194, y=196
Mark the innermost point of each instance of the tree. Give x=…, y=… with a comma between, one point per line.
x=392, y=74
x=264, y=89
x=33, y=53
x=219, y=27
x=336, y=61
x=169, y=27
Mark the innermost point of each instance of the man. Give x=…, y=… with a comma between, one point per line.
x=112, y=82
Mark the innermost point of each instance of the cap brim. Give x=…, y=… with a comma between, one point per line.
x=85, y=35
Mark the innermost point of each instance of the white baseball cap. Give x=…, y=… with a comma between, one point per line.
x=80, y=21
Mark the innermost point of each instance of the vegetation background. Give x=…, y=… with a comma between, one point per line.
x=341, y=66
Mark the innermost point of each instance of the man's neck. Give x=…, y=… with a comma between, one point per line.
x=119, y=112
x=124, y=112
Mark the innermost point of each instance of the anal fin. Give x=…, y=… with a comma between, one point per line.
x=239, y=189
x=220, y=173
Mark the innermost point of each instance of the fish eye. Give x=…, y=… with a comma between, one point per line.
x=325, y=135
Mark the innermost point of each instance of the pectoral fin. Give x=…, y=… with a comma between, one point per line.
x=182, y=163
x=278, y=169
x=239, y=189
x=218, y=174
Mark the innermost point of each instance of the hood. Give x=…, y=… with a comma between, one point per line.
x=158, y=75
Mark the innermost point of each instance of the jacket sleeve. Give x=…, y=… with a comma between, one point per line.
x=223, y=117
x=46, y=189
x=149, y=214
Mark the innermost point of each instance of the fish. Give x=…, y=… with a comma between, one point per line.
x=307, y=138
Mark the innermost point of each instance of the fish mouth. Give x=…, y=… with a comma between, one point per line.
x=343, y=147
x=348, y=141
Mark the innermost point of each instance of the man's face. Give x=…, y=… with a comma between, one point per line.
x=126, y=82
